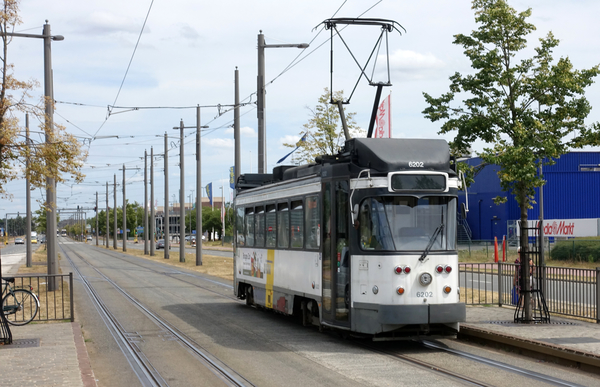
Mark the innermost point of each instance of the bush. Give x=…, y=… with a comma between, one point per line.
x=577, y=250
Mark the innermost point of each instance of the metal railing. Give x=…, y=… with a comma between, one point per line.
x=568, y=291
x=55, y=305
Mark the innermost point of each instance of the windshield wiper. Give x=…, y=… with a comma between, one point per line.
x=436, y=233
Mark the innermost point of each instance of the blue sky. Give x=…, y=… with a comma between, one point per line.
x=187, y=56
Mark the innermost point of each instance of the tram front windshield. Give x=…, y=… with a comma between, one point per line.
x=401, y=223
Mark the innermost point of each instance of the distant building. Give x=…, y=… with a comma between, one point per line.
x=570, y=196
x=174, y=215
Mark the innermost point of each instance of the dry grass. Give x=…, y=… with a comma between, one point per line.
x=213, y=265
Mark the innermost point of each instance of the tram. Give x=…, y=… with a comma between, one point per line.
x=362, y=242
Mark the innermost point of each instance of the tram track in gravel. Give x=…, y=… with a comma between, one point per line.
x=141, y=365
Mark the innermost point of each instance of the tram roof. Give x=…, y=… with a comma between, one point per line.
x=381, y=155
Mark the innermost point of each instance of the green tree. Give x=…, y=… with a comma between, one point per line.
x=60, y=153
x=528, y=110
x=40, y=220
x=325, y=135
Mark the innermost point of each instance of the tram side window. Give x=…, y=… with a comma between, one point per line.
x=283, y=226
x=296, y=220
x=239, y=226
x=313, y=226
x=271, y=222
x=259, y=231
x=249, y=227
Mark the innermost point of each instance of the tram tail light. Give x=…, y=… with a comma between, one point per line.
x=400, y=290
x=439, y=269
x=447, y=289
x=398, y=270
x=406, y=269
x=448, y=269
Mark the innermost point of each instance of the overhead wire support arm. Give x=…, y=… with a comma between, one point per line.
x=386, y=26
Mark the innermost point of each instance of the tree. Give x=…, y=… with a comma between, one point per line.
x=40, y=220
x=59, y=153
x=529, y=111
x=325, y=136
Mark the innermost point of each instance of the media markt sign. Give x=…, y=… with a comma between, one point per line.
x=569, y=227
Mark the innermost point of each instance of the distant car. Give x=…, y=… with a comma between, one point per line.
x=34, y=239
x=43, y=239
x=89, y=238
x=160, y=244
x=19, y=241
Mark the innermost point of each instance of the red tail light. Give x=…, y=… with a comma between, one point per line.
x=448, y=269
x=398, y=270
x=439, y=269
x=406, y=269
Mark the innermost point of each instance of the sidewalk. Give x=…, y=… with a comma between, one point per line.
x=46, y=355
x=569, y=339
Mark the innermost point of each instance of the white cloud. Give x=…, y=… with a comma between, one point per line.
x=414, y=64
x=219, y=142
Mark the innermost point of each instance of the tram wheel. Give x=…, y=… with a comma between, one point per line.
x=249, y=296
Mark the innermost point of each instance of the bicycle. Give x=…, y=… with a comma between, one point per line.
x=19, y=305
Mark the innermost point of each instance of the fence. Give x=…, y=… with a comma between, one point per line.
x=55, y=305
x=568, y=291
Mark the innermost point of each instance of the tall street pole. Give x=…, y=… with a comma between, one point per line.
x=198, y=191
x=236, y=129
x=28, y=195
x=124, y=214
x=260, y=97
x=97, y=222
x=152, y=214
x=260, y=103
x=166, y=211
x=181, y=196
x=115, y=214
x=145, y=202
x=107, y=234
x=51, y=240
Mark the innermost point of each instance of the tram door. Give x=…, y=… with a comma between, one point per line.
x=336, y=257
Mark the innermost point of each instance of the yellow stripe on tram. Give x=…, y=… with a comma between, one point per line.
x=270, y=269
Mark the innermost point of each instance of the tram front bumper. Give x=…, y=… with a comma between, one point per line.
x=370, y=318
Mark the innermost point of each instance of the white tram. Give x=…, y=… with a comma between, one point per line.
x=364, y=241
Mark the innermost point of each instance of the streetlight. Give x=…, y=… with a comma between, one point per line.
x=50, y=181
x=260, y=96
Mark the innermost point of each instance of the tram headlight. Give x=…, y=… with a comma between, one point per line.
x=447, y=289
x=425, y=279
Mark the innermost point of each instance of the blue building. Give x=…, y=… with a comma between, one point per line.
x=572, y=191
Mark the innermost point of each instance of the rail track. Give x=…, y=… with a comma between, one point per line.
x=140, y=363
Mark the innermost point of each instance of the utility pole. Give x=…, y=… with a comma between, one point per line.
x=260, y=97
x=107, y=234
x=181, y=196
x=28, y=195
x=97, y=222
x=236, y=129
x=51, y=240
x=166, y=211
x=124, y=214
x=145, y=202
x=198, y=191
x=222, y=218
x=115, y=215
x=152, y=214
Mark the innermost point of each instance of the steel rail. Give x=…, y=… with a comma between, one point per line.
x=219, y=370
x=146, y=373
x=496, y=364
